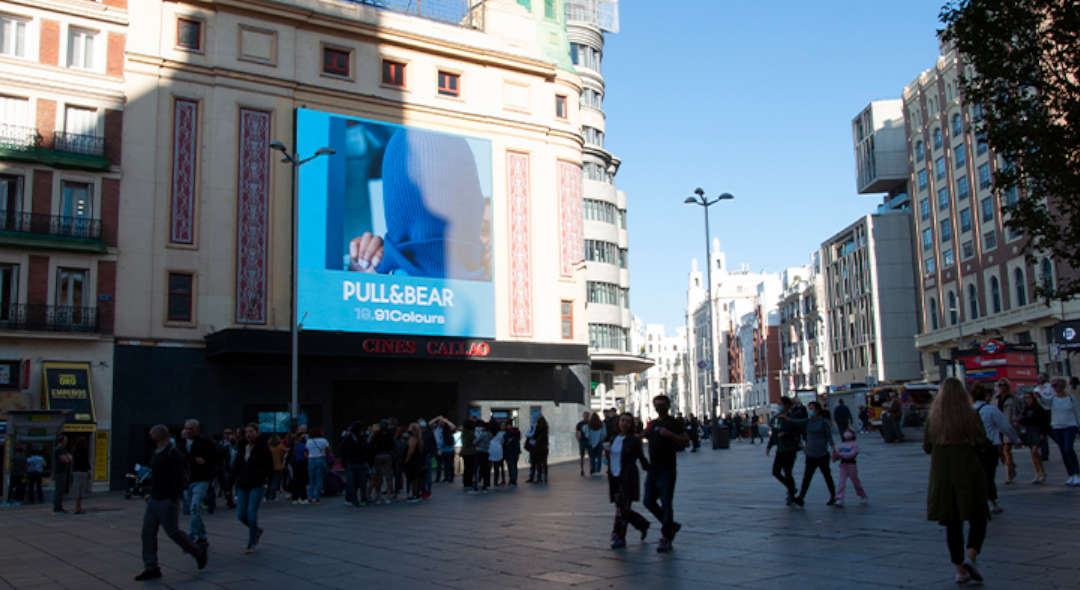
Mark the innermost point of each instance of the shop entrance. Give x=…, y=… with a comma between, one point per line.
x=370, y=401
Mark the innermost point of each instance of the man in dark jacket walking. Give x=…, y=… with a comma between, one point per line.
x=163, y=505
x=253, y=467
x=842, y=417
x=430, y=451
x=666, y=435
x=201, y=460
x=354, y=455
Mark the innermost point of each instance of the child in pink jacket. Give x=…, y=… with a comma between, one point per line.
x=846, y=452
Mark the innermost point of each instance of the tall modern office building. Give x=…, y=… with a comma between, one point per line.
x=606, y=242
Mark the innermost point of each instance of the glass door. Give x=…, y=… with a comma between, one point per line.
x=10, y=202
x=70, y=296
x=76, y=209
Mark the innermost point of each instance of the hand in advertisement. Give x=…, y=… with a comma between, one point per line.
x=365, y=252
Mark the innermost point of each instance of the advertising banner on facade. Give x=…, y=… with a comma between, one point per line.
x=394, y=229
x=67, y=387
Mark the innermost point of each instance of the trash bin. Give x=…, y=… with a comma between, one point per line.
x=722, y=439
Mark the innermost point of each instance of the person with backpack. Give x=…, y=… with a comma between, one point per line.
x=495, y=454
x=482, y=442
x=444, y=435
x=785, y=435
x=997, y=428
x=354, y=456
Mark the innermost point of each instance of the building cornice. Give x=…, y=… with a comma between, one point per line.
x=303, y=17
x=80, y=8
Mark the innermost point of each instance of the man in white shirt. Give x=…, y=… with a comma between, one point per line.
x=997, y=429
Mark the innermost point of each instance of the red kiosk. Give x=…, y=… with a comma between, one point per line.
x=1000, y=360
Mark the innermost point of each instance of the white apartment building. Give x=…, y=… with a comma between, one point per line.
x=607, y=272
x=803, y=338
x=668, y=373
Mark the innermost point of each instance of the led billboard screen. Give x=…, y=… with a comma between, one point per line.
x=394, y=229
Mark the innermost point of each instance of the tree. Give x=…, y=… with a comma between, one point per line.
x=1022, y=68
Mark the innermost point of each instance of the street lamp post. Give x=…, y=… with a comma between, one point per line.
x=705, y=203
x=294, y=324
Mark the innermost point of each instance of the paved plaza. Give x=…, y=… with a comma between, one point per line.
x=737, y=534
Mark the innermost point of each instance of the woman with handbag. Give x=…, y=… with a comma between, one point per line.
x=624, y=482
x=955, y=440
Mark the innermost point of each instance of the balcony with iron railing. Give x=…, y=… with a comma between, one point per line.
x=463, y=13
x=49, y=318
x=63, y=149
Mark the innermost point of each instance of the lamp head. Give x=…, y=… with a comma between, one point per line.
x=277, y=145
x=690, y=201
x=699, y=191
x=325, y=151
x=725, y=196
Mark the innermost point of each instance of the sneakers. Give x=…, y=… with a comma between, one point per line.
x=837, y=503
x=258, y=536
x=962, y=579
x=798, y=501
x=250, y=550
x=664, y=546
x=1074, y=480
x=969, y=567
x=200, y=557
x=150, y=574
x=996, y=509
x=618, y=543
x=831, y=502
x=790, y=500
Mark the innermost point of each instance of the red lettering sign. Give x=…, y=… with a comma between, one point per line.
x=403, y=347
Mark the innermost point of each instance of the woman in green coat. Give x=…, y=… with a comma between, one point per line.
x=954, y=439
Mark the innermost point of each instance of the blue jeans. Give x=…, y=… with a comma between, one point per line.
x=356, y=478
x=247, y=511
x=1065, y=437
x=427, y=473
x=446, y=466
x=596, y=457
x=316, y=469
x=274, y=486
x=193, y=498
x=660, y=486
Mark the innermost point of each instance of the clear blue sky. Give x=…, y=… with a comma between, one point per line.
x=735, y=98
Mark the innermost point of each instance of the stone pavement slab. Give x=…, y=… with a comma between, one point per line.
x=737, y=534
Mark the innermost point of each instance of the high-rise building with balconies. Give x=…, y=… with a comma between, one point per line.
x=606, y=239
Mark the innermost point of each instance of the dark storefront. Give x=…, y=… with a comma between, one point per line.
x=343, y=377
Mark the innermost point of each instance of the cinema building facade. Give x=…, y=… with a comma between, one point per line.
x=440, y=247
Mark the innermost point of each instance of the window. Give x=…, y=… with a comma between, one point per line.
x=953, y=311
x=560, y=106
x=449, y=84
x=71, y=295
x=957, y=126
x=977, y=112
x=1020, y=286
x=566, y=316
x=602, y=293
x=585, y=56
x=987, y=206
x=927, y=239
x=963, y=189
x=995, y=295
x=973, y=303
x=920, y=151
x=600, y=211
x=608, y=336
x=989, y=241
x=980, y=145
x=179, y=304
x=11, y=196
x=1046, y=275
x=965, y=220
x=592, y=136
x=939, y=168
x=922, y=179
x=937, y=138
x=984, y=176
x=946, y=229
x=928, y=265
x=76, y=208
x=335, y=61
x=1011, y=196
x=393, y=73
x=81, y=48
x=924, y=209
x=947, y=259
x=600, y=251
x=959, y=156
x=967, y=250
x=624, y=258
x=943, y=198
x=9, y=291
x=591, y=97
x=622, y=218
x=12, y=36
x=931, y=310
x=549, y=9
x=189, y=34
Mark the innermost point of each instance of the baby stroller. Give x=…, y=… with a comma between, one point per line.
x=138, y=482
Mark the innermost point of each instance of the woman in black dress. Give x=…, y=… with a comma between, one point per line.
x=624, y=482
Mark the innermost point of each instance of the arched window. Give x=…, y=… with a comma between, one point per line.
x=920, y=151
x=953, y=309
x=1046, y=275
x=973, y=303
x=995, y=295
x=1020, y=286
x=957, y=126
x=937, y=138
x=931, y=310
